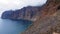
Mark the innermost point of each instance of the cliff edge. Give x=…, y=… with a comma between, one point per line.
x=49, y=21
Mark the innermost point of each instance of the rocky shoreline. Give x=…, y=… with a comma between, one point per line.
x=47, y=18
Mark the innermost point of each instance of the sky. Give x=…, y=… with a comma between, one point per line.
x=18, y=4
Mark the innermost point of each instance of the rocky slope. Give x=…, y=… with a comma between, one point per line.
x=49, y=21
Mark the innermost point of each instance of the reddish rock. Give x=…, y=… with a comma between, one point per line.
x=49, y=21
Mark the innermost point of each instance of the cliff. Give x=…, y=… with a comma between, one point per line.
x=7, y=14
x=46, y=19
x=26, y=13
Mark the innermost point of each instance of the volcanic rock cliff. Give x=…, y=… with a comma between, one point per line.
x=26, y=13
x=48, y=22
x=46, y=19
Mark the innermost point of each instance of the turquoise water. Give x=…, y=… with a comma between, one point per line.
x=13, y=27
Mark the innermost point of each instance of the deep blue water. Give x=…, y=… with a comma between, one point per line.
x=13, y=27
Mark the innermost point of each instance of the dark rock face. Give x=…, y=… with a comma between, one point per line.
x=7, y=14
x=26, y=13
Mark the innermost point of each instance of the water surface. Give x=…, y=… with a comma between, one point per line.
x=13, y=27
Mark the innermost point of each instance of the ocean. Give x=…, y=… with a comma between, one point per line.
x=13, y=27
